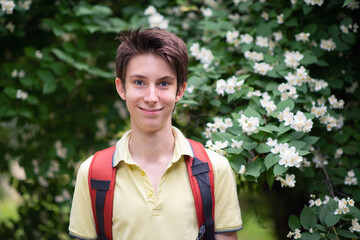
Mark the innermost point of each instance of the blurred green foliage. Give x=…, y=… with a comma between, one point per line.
x=59, y=104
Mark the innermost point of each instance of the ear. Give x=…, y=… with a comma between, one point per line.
x=181, y=92
x=120, y=89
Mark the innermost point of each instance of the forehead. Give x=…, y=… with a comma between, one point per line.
x=149, y=65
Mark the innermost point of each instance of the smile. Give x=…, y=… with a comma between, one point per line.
x=150, y=111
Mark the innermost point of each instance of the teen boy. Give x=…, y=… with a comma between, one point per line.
x=153, y=197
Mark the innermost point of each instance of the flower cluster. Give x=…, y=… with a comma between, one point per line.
x=7, y=6
x=327, y=45
x=343, y=206
x=15, y=73
x=355, y=225
x=204, y=55
x=249, y=124
x=297, y=78
x=292, y=59
x=318, y=202
x=350, y=179
x=296, y=234
x=217, y=147
x=318, y=159
x=304, y=37
x=25, y=5
x=262, y=41
x=332, y=122
x=352, y=88
x=61, y=151
x=38, y=54
x=254, y=56
x=229, y=86
x=287, y=91
x=318, y=111
x=262, y=68
x=317, y=85
x=339, y=152
x=232, y=37
x=267, y=103
x=314, y=2
x=289, y=180
x=255, y=93
x=289, y=157
x=298, y=122
x=354, y=5
x=219, y=125
x=156, y=19
x=335, y=103
x=20, y=94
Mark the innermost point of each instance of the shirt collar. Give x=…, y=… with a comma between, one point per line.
x=122, y=153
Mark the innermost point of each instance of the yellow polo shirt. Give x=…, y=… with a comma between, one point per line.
x=140, y=213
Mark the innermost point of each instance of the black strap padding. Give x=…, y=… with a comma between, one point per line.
x=101, y=187
x=200, y=171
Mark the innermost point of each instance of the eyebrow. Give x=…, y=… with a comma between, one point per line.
x=143, y=77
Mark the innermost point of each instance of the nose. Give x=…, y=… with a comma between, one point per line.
x=151, y=95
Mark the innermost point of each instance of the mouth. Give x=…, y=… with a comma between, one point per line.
x=150, y=111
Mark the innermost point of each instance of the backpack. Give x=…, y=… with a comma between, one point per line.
x=102, y=181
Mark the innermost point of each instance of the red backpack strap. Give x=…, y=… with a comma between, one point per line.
x=201, y=177
x=101, y=185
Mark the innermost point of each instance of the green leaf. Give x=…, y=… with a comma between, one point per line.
x=236, y=151
x=270, y=178
x=311, y=28
x=294, y=222
x=331, y=219
x=250, y=112
x=310, y=139
x=347, y=2
x=237, y=95
x=271, y=159
x=249, y=145
x=297, y=144
x=45, y=75
x=215, y=102
x=253, y=169
x=310, y=236
x=263, y=148
x=308, y=59
x=279, y=169
x=284, y=104
x=307, y=218
x=10, y=92
x=49, y=87
x=283, y=129
x=347, y=234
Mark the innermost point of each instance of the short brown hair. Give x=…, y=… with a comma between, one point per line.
x=155, y=41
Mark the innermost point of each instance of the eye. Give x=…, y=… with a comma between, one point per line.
x=139, y=82
x=164, y=84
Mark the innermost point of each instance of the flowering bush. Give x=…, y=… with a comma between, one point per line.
x=272, y=85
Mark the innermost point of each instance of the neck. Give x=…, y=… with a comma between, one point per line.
x=151, y=146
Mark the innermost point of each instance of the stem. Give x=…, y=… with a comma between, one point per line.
x=337, y=236
x=328, y=182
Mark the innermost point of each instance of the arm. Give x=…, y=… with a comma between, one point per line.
x=226, y=236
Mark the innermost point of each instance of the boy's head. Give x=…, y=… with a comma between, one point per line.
x=154, y=41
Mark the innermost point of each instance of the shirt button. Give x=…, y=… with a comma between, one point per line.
x=149, y=194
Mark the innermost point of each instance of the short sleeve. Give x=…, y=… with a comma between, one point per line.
x=82, y=223
x=227, y=207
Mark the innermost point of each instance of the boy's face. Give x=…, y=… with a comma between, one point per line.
x=150, y=92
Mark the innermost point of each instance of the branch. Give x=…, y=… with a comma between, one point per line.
x=328, y=182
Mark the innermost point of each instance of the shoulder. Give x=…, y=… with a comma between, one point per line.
x=84, y=168
x=219, y=163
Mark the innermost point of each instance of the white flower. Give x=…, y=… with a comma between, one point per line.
x=249, y=124
x=339, y=153
x=262, y=68
x=256, y=93
x=280, y=18
x=278, y=36
x=38, y=54
x=7, y=6
x=61, y=151
x=268, y=104
x=262, y=41
x=314, y=2
x=150, y=10
x=10, y=26
x=292, y=59
x=242, y=169
x=265, y=16
x=254, y=56
x=354, y=5
x=236, y=144
x=289, y=180
x=217, y=147
x=190, y=88
x=304, y=37
x=355, y=226
x=344, y=29
x=158, y=20
x=20, y=94
x=327, y=45
x=352, y=88
x=350, y=179
x=233, y=37
x=318, y=202
x=318, y=111
x=271, y=142
x=14, y=73
x=25, y=5
x=207, y=12
x=297, y=234
x=246, y=38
